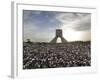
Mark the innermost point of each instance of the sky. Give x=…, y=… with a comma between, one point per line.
x=40, y=26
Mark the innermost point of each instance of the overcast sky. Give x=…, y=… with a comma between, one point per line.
x=40, y=26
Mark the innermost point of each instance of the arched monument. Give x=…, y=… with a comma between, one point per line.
x=60, y=35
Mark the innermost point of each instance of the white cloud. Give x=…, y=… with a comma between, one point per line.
x=77, y=35
x=75, y=21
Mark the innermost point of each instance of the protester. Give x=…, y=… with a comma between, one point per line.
x=48, y=55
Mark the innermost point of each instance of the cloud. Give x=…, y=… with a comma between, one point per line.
x=84, y=24
x=75, y=21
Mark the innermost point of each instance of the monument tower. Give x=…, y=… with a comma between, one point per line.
x=58, y=34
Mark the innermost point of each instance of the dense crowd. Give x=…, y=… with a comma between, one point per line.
x=48, y=55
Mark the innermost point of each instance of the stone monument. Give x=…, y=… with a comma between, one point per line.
x=58, y=35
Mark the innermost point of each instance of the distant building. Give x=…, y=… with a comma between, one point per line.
x=58, y=35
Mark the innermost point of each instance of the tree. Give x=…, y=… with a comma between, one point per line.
x=28, y=41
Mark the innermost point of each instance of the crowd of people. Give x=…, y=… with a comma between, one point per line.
x=48, y=55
